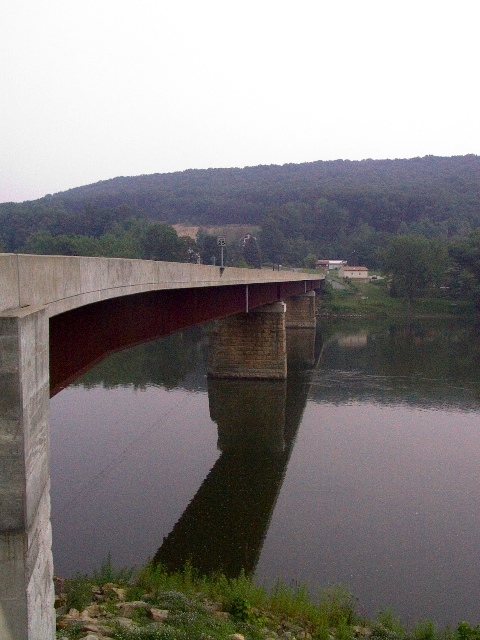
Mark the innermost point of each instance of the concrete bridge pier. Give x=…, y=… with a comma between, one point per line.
x=301, y=311
x=250, y=345
x=26, y=566
x=254, y=344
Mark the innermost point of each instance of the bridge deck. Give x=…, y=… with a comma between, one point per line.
x=62, y=283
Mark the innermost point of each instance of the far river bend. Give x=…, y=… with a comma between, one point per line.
x=362, y=470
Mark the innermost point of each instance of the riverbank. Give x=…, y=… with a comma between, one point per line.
x=372, y=299
x=155, y=605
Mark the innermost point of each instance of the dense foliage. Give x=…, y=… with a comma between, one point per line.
x=415, y=263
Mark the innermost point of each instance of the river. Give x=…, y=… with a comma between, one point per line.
x=362, y=469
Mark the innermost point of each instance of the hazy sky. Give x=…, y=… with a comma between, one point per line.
x=93, y=89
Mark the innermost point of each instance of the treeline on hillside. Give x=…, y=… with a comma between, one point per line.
x=432, y=196
x=139, y=238
x=381, y=193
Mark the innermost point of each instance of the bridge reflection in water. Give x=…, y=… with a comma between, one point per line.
x=225, y=524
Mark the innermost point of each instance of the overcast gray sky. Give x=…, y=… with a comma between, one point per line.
x=93, y=89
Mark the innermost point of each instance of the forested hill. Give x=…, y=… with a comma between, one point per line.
x=379, y=192
x=433, y=196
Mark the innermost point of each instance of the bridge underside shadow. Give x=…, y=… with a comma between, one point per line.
x=82, y=337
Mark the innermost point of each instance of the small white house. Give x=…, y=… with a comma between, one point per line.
x=355, y=273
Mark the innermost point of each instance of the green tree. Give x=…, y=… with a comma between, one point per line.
x=363, y=244
x=272, y=240
x=43, y=243
x=161, y=242
x=310, y=261
x=414, y=263
x=465, y=254
x=251, y=252
x=331, y=220
x=119, y=245
x=208, y=248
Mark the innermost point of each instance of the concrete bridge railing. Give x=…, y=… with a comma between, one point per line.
x=62, y=283
x=33, y=290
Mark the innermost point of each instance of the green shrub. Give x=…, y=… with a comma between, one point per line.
x=109, y=573
x=425, y=630
x=78, y=592
x=389, y=620
x=465, y=632
x=337, y=604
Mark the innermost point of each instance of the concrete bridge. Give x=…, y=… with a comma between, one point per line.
x=58, y=316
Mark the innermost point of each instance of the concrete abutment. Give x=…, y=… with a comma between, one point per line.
x=26, y=565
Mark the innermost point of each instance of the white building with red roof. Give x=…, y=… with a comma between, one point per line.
x=355, y=273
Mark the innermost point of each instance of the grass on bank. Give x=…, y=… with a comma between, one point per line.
x=371, y=298
x=257, y=614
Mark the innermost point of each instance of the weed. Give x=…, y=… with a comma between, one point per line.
x=322, y=632
x=379, y=632
x=242, y=610
x=389, y=620
x=177, y=602
x=337, y=604
x=465, y=632
x=425, y=630
x=134, y=592
x=78, y=592
x=236, y=589
x=149, y=633
x=74, y=632
x=343, y=630
x=108, y=573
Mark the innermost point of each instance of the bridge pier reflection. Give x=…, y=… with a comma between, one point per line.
x=301, y=348
x=224, y=526
x=250, y=414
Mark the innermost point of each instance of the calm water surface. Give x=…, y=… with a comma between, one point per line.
x=362, y=469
